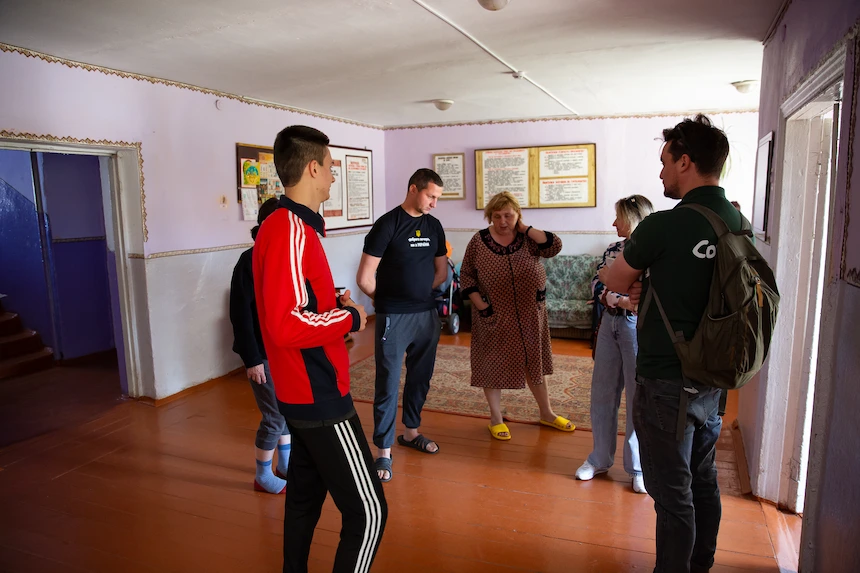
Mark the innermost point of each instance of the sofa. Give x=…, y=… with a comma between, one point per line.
x=568, y=295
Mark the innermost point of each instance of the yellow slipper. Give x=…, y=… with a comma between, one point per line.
x=560, y=424
x=499, y=429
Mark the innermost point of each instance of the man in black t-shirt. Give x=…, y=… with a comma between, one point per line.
x=404, y=260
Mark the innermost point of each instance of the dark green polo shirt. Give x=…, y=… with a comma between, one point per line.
x=676, y=248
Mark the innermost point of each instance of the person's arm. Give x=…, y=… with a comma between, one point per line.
x=440, y=274
x=282, y=295
x=645, y=245
x=619, y=276
x=242, y=309
x=608, y=298
x=365, y=278
x=375, y=244
x=440, y=262
x=469, y=278
x=543, y=243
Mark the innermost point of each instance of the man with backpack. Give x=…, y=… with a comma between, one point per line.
x=693, y=339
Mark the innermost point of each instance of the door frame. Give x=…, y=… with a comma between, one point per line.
x=778, y=422
x=128, y=216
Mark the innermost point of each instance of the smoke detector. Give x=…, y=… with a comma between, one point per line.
x=443, y=104
x=493, y=4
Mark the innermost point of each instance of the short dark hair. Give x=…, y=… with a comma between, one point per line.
x=295, y=147
x=424, y=177
x=705, y=145
x=267, y=208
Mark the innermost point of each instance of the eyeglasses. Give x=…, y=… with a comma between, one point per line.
x=683, y=141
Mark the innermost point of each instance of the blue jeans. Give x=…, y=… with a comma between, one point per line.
x=681, y=476
x=415, y=335
x=614, y=371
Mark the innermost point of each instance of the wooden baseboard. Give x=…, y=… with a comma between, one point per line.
x=96, y=358
x=205, y=385
x=741, y=457
x=187, y=392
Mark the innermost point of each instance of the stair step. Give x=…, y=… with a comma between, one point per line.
x=27, y=363
x=10, y=323
x=24, y=342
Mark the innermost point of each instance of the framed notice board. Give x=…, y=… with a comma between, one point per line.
x=350, y=203
x=539, y=177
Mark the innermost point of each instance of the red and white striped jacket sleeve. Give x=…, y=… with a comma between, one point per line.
x=282, y=294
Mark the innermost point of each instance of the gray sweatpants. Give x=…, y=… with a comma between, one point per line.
x=273, y=425
x=417, y=336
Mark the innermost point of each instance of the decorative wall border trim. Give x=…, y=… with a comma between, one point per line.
x=260, y=103
x=137, y=146
x=570, y=118
x=79, y=240
x=553, y=232
x=249, y=245
x=199, y=251
x=143, y=78
x=337, y=234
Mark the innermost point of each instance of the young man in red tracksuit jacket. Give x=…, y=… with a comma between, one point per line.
x=303, y=329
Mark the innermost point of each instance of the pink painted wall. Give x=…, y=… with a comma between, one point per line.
x=188, y=145
x=809, y=31
x=628, y=162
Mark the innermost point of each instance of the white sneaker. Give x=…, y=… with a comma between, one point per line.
x=639, y=484
x=587, y=471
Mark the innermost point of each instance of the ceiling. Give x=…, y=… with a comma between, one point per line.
x=381, y=61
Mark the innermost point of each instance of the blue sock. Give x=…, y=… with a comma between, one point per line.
x=267, y=480
x=283, y=458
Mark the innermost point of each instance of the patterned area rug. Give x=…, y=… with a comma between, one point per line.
x=569, y=389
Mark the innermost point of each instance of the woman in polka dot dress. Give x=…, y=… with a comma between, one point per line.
x=503, y=276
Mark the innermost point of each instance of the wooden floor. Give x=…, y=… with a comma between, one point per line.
x=168, y=488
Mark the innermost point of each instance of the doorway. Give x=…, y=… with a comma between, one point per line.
x=809, y=151
x=78, y=251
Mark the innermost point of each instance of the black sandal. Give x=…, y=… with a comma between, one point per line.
x=383, y=465
x=420, y=443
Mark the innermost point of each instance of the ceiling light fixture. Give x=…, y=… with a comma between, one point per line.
x=745, y=86
x=491, y=53
x=443, y=104
x=493, y=4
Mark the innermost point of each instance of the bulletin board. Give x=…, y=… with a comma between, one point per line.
x=351, y=200
x=539, y=177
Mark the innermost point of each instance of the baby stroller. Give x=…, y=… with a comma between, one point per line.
x=449, y=300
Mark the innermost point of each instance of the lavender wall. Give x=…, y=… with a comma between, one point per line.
x=628, y=161
x=189, y=146
x=22, y=275
x=188, y=152
x=809, y=31
x=71, y=187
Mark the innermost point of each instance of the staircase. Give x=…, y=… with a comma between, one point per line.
x=21, y=350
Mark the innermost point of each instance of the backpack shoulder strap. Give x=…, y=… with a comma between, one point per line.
x=720, y=226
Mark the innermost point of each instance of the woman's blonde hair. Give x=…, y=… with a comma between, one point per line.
x=633, y=209
x=502, y=201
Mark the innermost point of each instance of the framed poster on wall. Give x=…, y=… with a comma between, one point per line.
x=539, y=177
x=451, y=167
x=350, y=203
x=257, y=177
